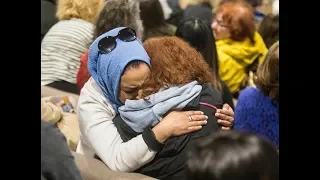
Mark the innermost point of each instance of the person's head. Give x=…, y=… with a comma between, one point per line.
x=119, y=13
x=118, y=66
x=232, y=155
x=151, y=14
x=185, y=3
x=269, y=29
x=200, y=36
x=234, y=20
x=80, y=9
x=267, y=79
x=174, y=62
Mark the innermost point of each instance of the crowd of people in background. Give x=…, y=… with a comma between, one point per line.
x=171, y=89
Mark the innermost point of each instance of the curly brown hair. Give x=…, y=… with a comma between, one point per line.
x=267, y=79
x=174, y=62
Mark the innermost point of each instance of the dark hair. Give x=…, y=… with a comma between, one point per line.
x=151, y=14
x=133, y=64
x=267, y=79
x=118, y=13
x=269, y=29
x=232, y=155
x=200, y=36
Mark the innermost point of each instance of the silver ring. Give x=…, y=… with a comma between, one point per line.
x=190, y=118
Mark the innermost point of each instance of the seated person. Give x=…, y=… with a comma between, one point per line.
x=119, y=66
x=257, y=110
x=180, y=79
x=59, y=110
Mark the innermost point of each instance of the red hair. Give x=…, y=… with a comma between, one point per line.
x=174, y=62
x=239, y=18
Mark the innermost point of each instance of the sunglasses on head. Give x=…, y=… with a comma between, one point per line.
x=109, y=43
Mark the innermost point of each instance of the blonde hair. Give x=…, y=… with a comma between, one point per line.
x=185, y=3
x=81, y=9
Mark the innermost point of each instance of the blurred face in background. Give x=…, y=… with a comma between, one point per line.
x=220, y=29
x=234, y=20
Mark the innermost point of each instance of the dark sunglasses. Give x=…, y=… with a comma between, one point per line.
x=109, y=43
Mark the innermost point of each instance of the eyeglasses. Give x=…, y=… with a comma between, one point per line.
x=220, y=23
x=109, y=43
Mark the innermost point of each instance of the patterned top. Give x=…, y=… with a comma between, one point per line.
x=62, y=48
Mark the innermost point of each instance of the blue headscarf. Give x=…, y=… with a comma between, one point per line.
x=106, y=69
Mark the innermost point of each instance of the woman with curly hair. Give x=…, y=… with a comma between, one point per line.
x=119, y=66
x=66, y=41
x=180, y=79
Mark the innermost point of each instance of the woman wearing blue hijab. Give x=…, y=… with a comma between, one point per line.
x=119, y=65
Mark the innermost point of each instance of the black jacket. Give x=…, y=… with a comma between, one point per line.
x=170, y=161
x=227, y=96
